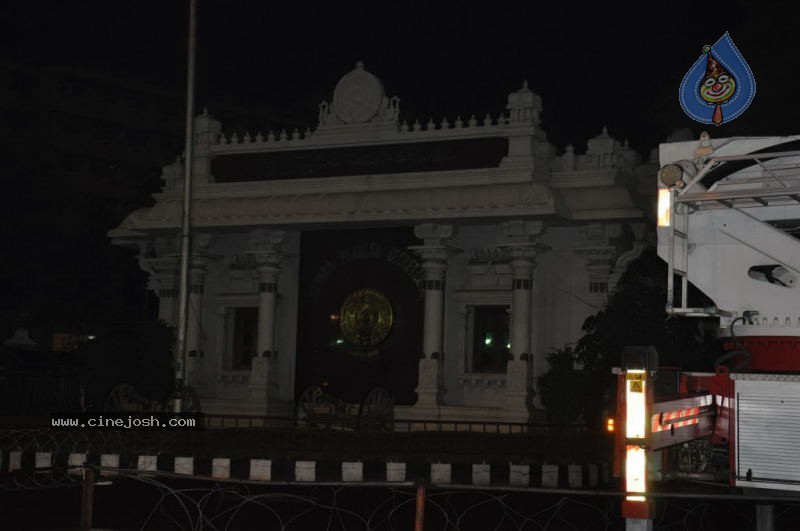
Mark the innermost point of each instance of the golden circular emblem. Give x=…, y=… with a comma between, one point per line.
x=366, y=318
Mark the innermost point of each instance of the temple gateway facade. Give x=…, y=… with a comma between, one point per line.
x=441, y=262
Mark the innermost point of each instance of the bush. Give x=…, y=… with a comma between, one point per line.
x=562, y=388
x=635, y=316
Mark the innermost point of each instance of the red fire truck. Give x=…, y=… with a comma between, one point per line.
x=729, y=224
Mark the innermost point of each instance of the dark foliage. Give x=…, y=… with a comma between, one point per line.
x=635, y=315
x=136, y=353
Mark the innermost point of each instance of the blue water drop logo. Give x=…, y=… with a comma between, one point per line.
x=719, y=86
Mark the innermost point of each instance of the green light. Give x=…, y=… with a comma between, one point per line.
x=508, y=346
x=340, y=341
x=488, y=340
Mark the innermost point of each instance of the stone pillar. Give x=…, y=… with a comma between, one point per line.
x=434, y=264
x=522, y=265
x=518, y=368
x=267, y=260
x=519, y=239
x=267, y=292
x=433, y=255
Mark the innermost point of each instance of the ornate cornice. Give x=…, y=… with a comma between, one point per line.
x=496, y=200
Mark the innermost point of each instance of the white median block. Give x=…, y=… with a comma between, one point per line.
x=147, y=462
x=221, y=468
x=481, y=474
x=550, y=476
x=519, y=475
x=43, y=459
x=14, y=461
x=441, y=473
x=184, y=465
x=352, y=471
x=109, y=461
x=575, y=476
x=76, y=460
x=261, y=469
x=305, y=471
x=395, y=471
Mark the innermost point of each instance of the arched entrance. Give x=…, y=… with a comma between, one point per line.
x=360, y=314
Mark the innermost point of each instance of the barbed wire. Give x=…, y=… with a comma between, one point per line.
x=206, y=504
x=222, y=507
x=44, y=479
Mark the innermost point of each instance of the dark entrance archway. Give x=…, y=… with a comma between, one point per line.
x=360, y=314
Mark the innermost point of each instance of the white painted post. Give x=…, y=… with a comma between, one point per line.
x=221, y=468
x=519, y=475
x=550, y=476
x=184, y=465
x=395, y=471
x=352, y=471
x=109, y=461
x=441, y=473
x=147, y=462
x=76, y=460
x=305, y=471
x=43, y=459
x=481, y=474
x=261, y=469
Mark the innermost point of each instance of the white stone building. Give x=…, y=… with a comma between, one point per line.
x=440, y=261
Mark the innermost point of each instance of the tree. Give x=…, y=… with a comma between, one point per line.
x=635, y=315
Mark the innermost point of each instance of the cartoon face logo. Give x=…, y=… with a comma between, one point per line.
x=716, y=89
x=719, y=86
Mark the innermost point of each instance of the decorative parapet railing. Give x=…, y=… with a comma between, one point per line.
x=367, y=134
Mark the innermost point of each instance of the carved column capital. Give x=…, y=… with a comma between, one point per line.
x=518, y=243
x=162, y=272
x=432, y=256
x=434, y=234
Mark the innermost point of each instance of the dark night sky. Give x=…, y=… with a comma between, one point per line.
x=617, y=63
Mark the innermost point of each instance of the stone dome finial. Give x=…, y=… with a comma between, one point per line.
x=360, y=65
x=524, y=105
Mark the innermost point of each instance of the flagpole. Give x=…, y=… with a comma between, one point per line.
x=186, y=220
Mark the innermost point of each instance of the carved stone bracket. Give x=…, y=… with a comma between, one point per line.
x=521, y=231
x=162, y=272
x=518, y=241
